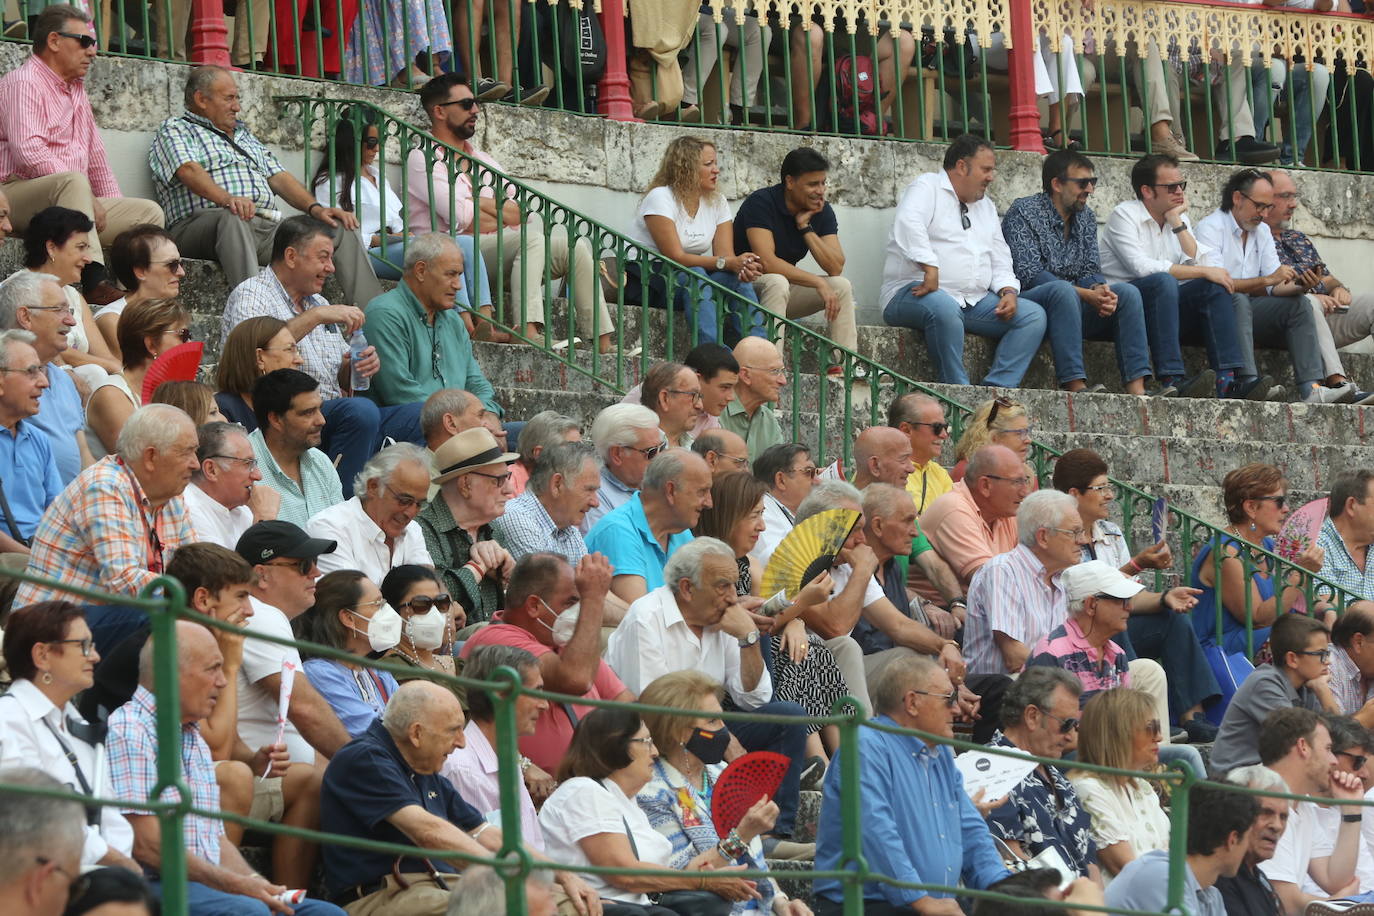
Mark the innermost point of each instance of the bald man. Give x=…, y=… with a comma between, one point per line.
x=882, y=455
x=761, y=377
x=725, y=452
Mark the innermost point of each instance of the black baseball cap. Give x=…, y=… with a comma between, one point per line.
x=271, y=539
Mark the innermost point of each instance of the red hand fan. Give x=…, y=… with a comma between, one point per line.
x=742, y=784
x=179, y=364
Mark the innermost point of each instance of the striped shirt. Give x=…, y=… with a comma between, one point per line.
x=526, y=527
x=1350, y=688
x=322, y=349
x=241, y=166
x=47, y=127
x=1066, y=647
x=1009, y=595
x=318, y=490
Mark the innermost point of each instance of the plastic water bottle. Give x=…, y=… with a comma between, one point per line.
x=356, y=345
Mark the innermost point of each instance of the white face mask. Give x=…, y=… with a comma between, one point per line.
x=383, y=630
x=563, y=624
x=426, y=631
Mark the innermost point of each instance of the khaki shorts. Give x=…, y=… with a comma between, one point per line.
x=269, y=804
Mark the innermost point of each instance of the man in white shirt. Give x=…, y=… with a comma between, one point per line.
x=1271, y=310
x=948, y=271
x=627, y=438
x=224, y=497
x=789, y=473
x=376, y=530
x=1149, y=243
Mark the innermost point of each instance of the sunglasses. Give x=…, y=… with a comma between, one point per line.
x=1172, y=187
x=184, y=335
x=372, y=142
x=466, y=104
x=1154, y=728
x=1357, y=760
x=1000, y=404
x=963, y=216
x=1279, y=501
x=649, y=452
x=499, y=478
x=1065, y=725
x=1090, y=182
x=936, y=429
x=951, y=699
x=302, y=565
x=421, y=604
x=175, y=265
x=86, y=41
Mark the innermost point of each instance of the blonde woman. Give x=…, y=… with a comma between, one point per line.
x=1000, y=421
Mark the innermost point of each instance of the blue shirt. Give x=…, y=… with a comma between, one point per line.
x=1034, y=231
x=1144, y=885
x=919, y=825
x=357, y=696
x=60, y=416
x=367, y=782
x=1205, y=611
x=1043, y=812
x=766, y=208
x=29, y=475
x=623, y=535
x=1339, y=566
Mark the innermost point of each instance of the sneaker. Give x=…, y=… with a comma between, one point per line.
x=1177, y=735
x=1247, y=150
x=1362, y=398
x=1163, y=391
x=1174, y=147
x=530, y=97
x=1343, y=907
x=1257, y=388
x=812, y=774
x=1200, y=730
x=1202, y=385
x=1324, y=394
x=489, y=90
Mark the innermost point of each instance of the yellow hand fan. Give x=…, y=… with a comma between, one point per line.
x=808, y=550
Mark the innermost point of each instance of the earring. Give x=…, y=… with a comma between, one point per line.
x=46, y=678
x=1252, y=525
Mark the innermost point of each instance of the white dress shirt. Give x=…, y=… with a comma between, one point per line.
x=1133, y=245
x=378, y=208
x=928, y=230
x=778, y=522
x=654, y=640
x=362, y=545
x=25, y=740
x=214, y=523
x=1244, y=255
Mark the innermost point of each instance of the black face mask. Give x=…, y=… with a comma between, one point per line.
x=708, y=746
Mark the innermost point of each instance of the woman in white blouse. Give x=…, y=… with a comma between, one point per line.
x=1120, y=728
x=50, y=653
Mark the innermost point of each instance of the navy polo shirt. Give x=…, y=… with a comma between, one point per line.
x=366, y=782
x=766, y=208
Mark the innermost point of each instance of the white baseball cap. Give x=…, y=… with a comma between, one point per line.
x=1096, y=577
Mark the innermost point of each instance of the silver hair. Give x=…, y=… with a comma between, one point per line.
x=1257, y=776
x=427, y=247
x=907, y=407
x=154, y=426
x=543, y=431
x=566, y=458
x=482, y=892
x=881, y=500
x=444, y=401
x=1042, y=509
x=1035, y=687
x=383, y=464
x=687, y=561
x=22, y=289
x=185, y=650
x=13, y=335
x=666, y=467
x=408, y=705
x=201, y=79
x=892, y=681
x=828, y=494
x=620, y=424
x=36, y=825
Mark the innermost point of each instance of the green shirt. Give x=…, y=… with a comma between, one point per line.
x=759, y=432
x=319, y=487
x=450, y=546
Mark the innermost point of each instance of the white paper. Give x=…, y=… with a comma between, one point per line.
x=995, y=774
x=831, y=471
x=288, y=677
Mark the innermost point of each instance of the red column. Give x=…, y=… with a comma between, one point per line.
x=613, y=92
x=1024, y=115
x=209, y=37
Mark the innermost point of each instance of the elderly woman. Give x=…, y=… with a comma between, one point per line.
x=148, y=265
x=50, y=654
x=592, y=819
x=430, y=618
x=350, y=614
x=473, y=475
x=677, y=800
x=1000, y=421
x=1256, y=505
x=146, y=330
x=1120, y=728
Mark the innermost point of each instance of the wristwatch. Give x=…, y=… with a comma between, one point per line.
x=751, y=639
x=805, y=229
x=720, y=263
x=1180, y=228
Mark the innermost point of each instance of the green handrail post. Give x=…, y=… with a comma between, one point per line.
x=167, y=687
x=851, y=827
x=508, y=786
x=1178, y=836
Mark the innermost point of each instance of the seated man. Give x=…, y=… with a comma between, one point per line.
x=375, y=531
x=1348, y=531
x=1352, y=662
x=725, y=452
x=718, y=372
x=751, y=414
x=1053, y=236
x=948, y=271
x=560, y=493
x=540, y=433
x=226, y=494
x=1271, y=310
x=789, y=473
x=43, y=836
x=783, y=224
x=51, y=152
x=696, y=621
x=922, y=419
x=1250, y=893
x=446, y=413
x=642, y=535
x=882, y=454
x=220, y=880
x=627, y=438
x=286, y=404
x=289, y=288
x=216, y=183
x=926, y=831
x=673, y=393
x=26, y=459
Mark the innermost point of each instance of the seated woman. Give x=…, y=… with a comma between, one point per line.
x=592, y=819
x=430, y=616
x=677, y=800
x=350, y=613
x=146, y=330
x=111, y=892
x=197, y=399
x=1000, y=421
x=148, y=265
x=1120, y=728
x=684, y=217
x=50, y=654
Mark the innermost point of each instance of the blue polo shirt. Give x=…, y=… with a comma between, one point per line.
x=766, y=208
x=29, y=475
x=60, y=416
x=367, y=782
x=623, y=536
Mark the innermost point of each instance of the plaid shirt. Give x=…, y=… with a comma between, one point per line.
x=46, y=127
x=450, y=545
x=318, y=490
x=1339, y=566
x=1348, y=685
x=132, y=747
x=526, y=528
x=192, y=138
x=322, y=349
x=102, y=533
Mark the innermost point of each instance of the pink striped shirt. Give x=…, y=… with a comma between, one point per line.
x=46, y=127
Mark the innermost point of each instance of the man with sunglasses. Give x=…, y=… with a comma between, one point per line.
x=51, y=153
x=226, y=495
x=1270, y=308
x=627, y=438
x=922, y=419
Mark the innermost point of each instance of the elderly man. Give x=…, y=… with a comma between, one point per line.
x=1348, y=531
x=385, y=785
x=627, y=438
x=673, y=393
x=225, y=496
x=51, y=153
x=40, y=836
x=1352, y=662
x=221, y=881
x=718, y=371
x=118, y=521
x=545, y=517
x=922, y=419
x=216, y=182
x=882, y=454
x=544, y=596
x=697, y=622
x=725, y=452
x=893, y=533
x=473, y=476
x=789, y=473
x=539, y=433
x=1249, y=892
x=25, y=454
x=1017, y=597
x=761, y=377
x=446, y=413
x=34, y=302
x=926, y=831
x=286, y=404
x=642, y=535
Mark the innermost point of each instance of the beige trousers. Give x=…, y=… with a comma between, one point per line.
x=522, y=264
x=1342, y=329
x=788, y=300
x=72, y=190
x=422, y=898
x=852, y=664
x=249, y=49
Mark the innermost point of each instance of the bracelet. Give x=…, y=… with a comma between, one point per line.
x=1351, y=818
x=805, y=229
x=732, y=846
x=1135, y=567
x=311, y=209
x=476, y=568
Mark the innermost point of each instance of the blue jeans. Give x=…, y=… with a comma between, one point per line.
x=354, y=430
x=111, y=624
x=944, y=322
x=788, y=740
x=695, y=299
x=1170, y=639
x=1195, y=311
x=206, y=901
x=1069, y=327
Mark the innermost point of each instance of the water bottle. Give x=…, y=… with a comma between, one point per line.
x=356, y=345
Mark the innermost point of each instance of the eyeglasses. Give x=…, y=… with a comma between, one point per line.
x=1089, y=182
x=776, y=372
x=963, y=216
x=951, y=698
x=184, y=335
x=175, y=265
x=1019, y=481
x=499, y=478
x=33, y=372
x=63, y=311
x=289, y=348
x=936, y=429
x=466, y=104
x=1279, y=501
x=1357, y=761
x=86, y=41
x=649, y=452
x=647, y=741
x=1172, y=187
x=405, y=500
x=302, y=566
x=421, y=604
x=694, y=395
x=372, y=142
x=374, y=605
x=1288, y=195
x=1102, y=488
x=1075, y=533
x=85, y=644
x=1022, y=433
x=810, y=471
x=739, y=462
x=1263, y=208
x=1065, y=725
x=1000, y=404
x=249, y=464
x=1322, y=655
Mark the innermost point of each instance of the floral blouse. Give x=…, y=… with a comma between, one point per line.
x=1039, y=814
